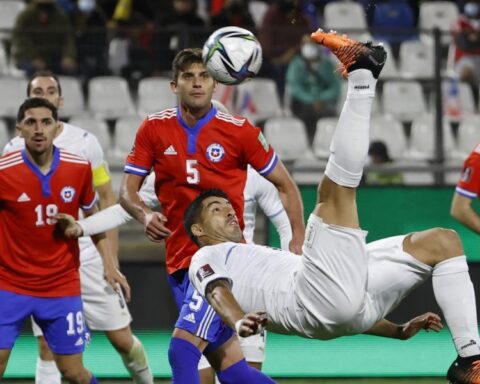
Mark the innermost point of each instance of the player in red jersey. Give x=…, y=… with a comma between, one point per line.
x=191, y=148
x=38, y=268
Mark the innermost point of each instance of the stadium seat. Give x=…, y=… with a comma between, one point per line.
x=418, y=174
x=257, y=10
x=416, y=60
x=422, y=138
x=73, y=101
x=441, y=14
x=154, y=95
x=308, y=171
x=227, y=95
x=13, y=92
x=258, y=100
x=323, y=136
x=9, y=10
x=468, y=135
x=109, y=97
x=458, y=99
x=125, y=131
x=279, y=132
x=346, y=16
x=390, y=131
x=96, y=126
x=390, y=69
x=4, y=68
x=403, y=99
x=4, y=135
x=393, y=22
x=453, y=172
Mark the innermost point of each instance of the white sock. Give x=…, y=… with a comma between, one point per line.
x=349, y=147
x=136, y=363
x=47, y=372
x=454, y=293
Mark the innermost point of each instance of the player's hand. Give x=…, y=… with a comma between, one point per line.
x=428, y=321
x=251, y=324
x=155, y=228
x=295, y=245
x=118, y=281
x=68, y=226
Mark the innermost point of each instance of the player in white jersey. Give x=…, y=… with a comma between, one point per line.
x=105, y=309
x=340, y=286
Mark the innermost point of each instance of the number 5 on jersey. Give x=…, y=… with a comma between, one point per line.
x=193, y=175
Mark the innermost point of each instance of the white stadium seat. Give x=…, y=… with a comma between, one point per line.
x=419, y=173
x=73, y=101
x=125, y=131
x=257, y=9
x=403, y=99
x=96, y=126
x=468, y=134
x=154, y=95
x=9, y=10
x=440, y=14
x=343, y=16
x=109, y=97
x=390, y=131
x=416, y=60
x=4, y=135
x=13, y=91
x=390, y=68
x=323, y=136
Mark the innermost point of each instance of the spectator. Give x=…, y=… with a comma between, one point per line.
x=379, y=157
x=466, y=40
x=42, y=39
x=313, y=85
x=234, y=13
x=282, y=28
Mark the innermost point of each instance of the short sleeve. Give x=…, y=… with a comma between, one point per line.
x=141, y=157
x=147, y=191
x=207, y=265
x=258, y=152
x=469, y=183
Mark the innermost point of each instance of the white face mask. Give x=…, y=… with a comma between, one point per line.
x=86, y=6
x=310, y=51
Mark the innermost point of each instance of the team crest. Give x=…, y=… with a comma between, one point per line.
x=67, y=194
x=215, y=152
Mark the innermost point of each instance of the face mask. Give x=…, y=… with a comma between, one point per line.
x=310, y=51
x=86, y=6
x=472, y=10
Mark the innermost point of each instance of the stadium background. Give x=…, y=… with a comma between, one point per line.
x=383, y=211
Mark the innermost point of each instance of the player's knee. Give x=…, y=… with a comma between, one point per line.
x=436, y=245
x=122, y=340
x=74, y=374
x=449, y=243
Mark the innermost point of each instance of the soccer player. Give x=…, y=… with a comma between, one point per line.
x=105, y=309
x=39, y=270
x=195, y=147
x=340, y=286
x=468, y=189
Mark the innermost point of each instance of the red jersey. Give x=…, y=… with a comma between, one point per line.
x=469, y=183
x=465, y=25
x=212, y=154
x=33, y=260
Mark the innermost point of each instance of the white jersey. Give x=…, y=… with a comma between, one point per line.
x=261, y=192
x=79, y=142
x=262, y=277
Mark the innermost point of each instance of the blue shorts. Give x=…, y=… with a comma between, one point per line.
x=199, y=318
x=179, y=283
x=60, y=318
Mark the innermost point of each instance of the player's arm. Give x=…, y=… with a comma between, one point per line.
x=385, y=328
x=107, y=198
x=111, y=273
x=462, y=210
x=292, y=202
x=220, y=297
x=153, y=222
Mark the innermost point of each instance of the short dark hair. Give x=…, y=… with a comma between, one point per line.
x=35, y=102
x=184, y=59
x=194, y=210
x=43, y=73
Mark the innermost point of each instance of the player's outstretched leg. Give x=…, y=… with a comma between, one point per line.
x=361, y=63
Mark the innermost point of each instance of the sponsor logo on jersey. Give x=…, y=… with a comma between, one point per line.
x=170, y=151
x=215, y=152
x=472, y=342
x=23, y=198
x=79, y=342
x=263, y=141
x=67, y=194
x=190, y=317
x=204, y=272
x=467, y=174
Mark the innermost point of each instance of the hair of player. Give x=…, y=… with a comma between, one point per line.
x=43, y=73
x=35, y=102
x=184, y=59
x=194, y=211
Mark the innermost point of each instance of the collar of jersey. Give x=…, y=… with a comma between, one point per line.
x=44, y=179
x=192, y=132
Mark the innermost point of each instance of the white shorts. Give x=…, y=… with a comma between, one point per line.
x=104, y=309
x=346, y=286
x=253, y=348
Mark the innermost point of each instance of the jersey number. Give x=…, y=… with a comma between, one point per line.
x=75, y=323
x=196, y=301
x=46, y=214
x=193, y=176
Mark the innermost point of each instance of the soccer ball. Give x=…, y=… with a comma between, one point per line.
x=232, y=55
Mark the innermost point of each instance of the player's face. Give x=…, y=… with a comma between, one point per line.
x=219, y=221
x=38, y=128
x=46, y=88
x=194, y=87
